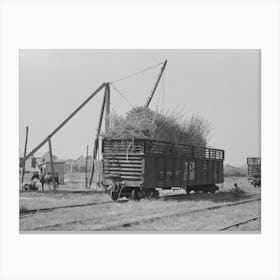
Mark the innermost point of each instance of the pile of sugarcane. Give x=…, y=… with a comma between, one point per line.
x=143, y=123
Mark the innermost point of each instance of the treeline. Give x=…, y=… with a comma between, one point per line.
x=74, y=166
x=233, y=171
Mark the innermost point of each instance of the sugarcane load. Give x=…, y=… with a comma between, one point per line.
x=147, y=150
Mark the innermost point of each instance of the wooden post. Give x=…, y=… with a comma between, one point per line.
x=86, y=178
x=23, y=162
x=64, y=122
x=156, y=85
x=96, y=142
x=51, y=160
x=107, y=112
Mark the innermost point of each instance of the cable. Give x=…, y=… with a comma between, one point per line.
x=122, y=95
x=136, y=73
x=114, y=111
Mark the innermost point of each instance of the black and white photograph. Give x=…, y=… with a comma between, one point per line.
x=139, y=140
x=143, y=140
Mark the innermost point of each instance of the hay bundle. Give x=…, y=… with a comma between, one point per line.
x=141, y=122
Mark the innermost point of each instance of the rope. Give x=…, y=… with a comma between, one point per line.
x=136, y=73
x=122, y=95
x=114, y=111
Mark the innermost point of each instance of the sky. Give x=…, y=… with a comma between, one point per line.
x=222, y=86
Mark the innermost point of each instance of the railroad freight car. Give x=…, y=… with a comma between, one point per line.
x=136, y=168
x=254, y=170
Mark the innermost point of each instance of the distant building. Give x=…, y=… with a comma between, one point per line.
x=46, y=157
x=30, y=165
x=254, y=167
x=33, y=164
x=45, y=162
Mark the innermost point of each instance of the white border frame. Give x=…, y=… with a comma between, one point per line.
x=156, y=24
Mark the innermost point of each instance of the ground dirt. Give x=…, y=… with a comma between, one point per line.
x=104, y=211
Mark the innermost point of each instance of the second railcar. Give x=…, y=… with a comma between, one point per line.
x=136, y=167
x=254, y=170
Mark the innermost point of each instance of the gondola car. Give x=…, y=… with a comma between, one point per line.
x=136, y=168
x=254, y=170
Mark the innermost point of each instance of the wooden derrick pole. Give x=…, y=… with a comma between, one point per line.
x=23, y=162
x=86, y=177
x=107, y=112
x=96, y=142
x=156, y=85
x=64, y=122
x=51, y=160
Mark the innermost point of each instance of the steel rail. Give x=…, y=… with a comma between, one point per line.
x=136, y=221
x=240, y=223
x=173, y=214
x=26, y=212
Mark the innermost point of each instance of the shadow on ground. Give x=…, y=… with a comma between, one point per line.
x=61, y=192
x=222, y=196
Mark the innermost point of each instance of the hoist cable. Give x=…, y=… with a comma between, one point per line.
x=114, y=111
x=122, y=95
x=136, y=73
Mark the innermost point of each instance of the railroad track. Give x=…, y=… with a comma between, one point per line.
x=137, y=221
x=24, y=212
x=27, y=212
x=240, y=223
x=49, y=209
